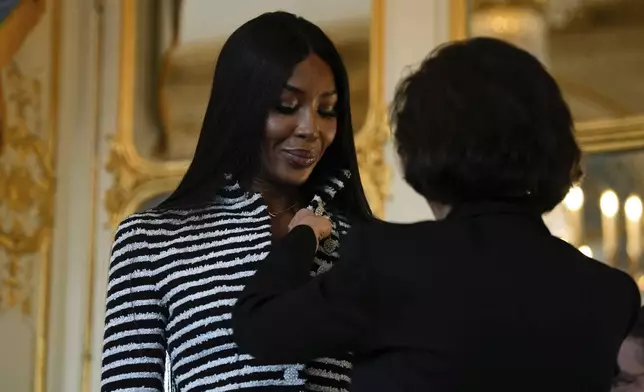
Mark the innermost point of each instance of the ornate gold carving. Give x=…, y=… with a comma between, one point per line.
x=27, y=185
x=374, y=171
x=27, y=190
x=133, y=184
x=3, y=116
x=371, y=139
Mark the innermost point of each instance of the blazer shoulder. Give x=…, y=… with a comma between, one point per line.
x=371, y=230
x=136, y=222
x=379, y=228
x=619, y=279
x=612, y=281
x=137, y=231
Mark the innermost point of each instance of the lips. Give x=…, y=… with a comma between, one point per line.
x=300, y=158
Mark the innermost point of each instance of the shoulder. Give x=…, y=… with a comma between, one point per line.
x=616, y=293
x=590, y=268
x=156, y=221
x=130, y=249
x=363, y=235
x=609, y=283
x=139, y=236
x=140, y=225
x=612, y=280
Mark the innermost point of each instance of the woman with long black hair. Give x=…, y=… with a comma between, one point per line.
x=276, y=138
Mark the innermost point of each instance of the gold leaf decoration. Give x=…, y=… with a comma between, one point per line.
x=27, y=187
x=374, y=171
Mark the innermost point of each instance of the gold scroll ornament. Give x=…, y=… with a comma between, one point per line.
x=27, y=187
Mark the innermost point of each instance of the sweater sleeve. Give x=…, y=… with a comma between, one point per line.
x=284, y=316
x=134, y=343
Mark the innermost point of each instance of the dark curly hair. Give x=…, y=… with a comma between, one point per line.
x=482, y=120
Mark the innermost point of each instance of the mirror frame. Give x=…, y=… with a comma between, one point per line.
x=136, y=178
x=602, y=135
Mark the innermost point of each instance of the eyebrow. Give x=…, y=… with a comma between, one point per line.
x=298, y=90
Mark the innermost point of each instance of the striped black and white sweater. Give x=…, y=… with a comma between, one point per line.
x=173, y=280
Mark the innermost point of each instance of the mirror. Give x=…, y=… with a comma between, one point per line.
x=168, y=52
x=594, y=49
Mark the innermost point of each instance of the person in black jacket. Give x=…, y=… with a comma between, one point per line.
x=484, y=298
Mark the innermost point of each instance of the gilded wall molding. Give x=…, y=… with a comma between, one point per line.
x=26, y=186
x=27, y=190
x=134, y=177
x=371, y=139
x=137, y=178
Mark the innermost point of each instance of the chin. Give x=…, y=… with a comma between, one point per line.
x=293, y=177
x=297, y=180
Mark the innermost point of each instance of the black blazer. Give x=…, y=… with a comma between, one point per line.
x=485, y=300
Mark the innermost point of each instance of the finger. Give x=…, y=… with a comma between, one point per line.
x=301, y=214
x=304, y=212
x=325, y=231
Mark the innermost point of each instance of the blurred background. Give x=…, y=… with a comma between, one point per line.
x=101, y=102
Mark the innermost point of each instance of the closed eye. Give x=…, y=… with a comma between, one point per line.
x=329, y=113
x=286, y=109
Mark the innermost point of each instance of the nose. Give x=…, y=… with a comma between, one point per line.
x=308, y=126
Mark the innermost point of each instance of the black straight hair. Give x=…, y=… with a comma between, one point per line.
x=253, y=66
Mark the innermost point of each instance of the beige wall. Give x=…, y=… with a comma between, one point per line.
x=413, y=28
x=197, y=15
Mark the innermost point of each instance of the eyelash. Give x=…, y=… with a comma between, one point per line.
x=288, y=110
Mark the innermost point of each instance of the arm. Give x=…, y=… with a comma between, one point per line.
x=284, y=316
x=134, y=343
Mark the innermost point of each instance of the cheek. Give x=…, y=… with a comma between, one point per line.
x=278, y=128
x=329, y=133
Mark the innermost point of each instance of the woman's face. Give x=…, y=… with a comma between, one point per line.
x=302, y=125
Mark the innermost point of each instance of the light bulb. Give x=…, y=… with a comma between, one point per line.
x=609, y=203
x=574, y=199
x=633, y=208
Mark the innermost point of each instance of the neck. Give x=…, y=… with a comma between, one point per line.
x=278, y=197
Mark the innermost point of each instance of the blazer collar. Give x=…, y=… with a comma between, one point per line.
x=324, y=194
x=471, y=209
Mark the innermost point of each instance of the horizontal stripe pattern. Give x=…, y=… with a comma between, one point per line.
x=174, y=278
